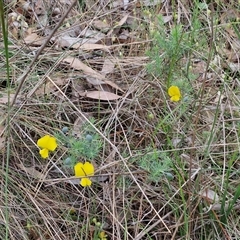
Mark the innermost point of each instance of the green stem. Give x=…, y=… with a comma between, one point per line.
x=5, y=41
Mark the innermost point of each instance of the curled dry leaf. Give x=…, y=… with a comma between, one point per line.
x=100, y=95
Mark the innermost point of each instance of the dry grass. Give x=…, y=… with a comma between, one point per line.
x=199, y=134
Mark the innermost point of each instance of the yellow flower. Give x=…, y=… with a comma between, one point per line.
x=46, y=143
x=83, y=171
x=102, y=235
x=174, y=93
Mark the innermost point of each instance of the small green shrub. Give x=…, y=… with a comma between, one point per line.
x=87, y=146
x=157, y=164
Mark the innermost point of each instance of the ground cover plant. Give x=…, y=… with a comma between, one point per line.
x=119, y=119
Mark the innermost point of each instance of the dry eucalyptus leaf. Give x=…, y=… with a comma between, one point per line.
x=105, y=87
x=101, y=25
x=94, y=81
x=100, y=95
x=77, y=43
x=34, y=40
x=79, y=65
x=67, y=41
x=92, y=46
x=113, y=85
x=92, y=35
x=50, y=87
x=108, y=66
x=32, y=172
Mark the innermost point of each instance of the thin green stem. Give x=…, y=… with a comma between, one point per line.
x=5, y=41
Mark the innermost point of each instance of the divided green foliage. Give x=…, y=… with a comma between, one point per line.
x=157, y=164
x=87, y=146
x=167, y=50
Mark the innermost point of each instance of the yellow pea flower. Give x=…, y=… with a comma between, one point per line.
x=174, y=93
x=102, y=235
x=83, y=171
x=46, y=143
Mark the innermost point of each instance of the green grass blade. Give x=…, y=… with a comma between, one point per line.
x=5, y=41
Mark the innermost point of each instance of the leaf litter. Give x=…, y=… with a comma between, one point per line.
x=105, y=72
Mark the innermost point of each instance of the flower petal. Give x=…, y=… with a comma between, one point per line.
x=84, y=170
x=85, y=182
x=173, y=90
x=174, y=93
x=102, y=235
x=175, y=98
x=52, y=144
x=47, y=142
x=78, y=169
x=42, y=142
x=88, y=168
x=44, y=153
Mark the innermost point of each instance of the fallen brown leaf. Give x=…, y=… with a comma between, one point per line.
x=34, y=39
x=79, y=65
x=32, y=172
x=101, y=25
x=100, y=95
x=50, y=87
x=108, y=66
